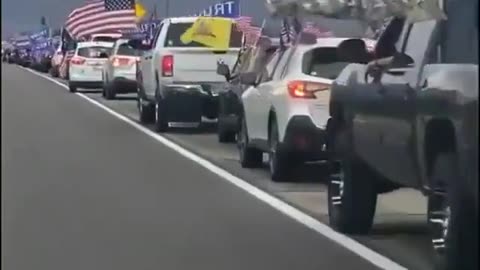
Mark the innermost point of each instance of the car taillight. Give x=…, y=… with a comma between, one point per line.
x=305, y=89
x=122, y=61
x=167, y=66
x=77, y=61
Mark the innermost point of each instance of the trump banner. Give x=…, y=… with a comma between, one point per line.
x=42, y=34
x=228, y=9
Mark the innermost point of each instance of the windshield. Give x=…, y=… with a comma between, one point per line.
x=93, y=52
x=323, y=63
x=125, y=49
x=175, y=31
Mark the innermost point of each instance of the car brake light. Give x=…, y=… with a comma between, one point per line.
x=305, y=89
x=77, y=61
x=121, y=61
x=167, y=66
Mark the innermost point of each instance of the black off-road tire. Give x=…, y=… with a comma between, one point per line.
x=352, y=195
x=161, y=121
x=277, y=157
x=72, y=88
x=146, y=112
x=249, y=157
x=110, y=92
x=461, y=240
x=224, y=135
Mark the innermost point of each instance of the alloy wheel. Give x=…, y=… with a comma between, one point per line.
x=439, y=218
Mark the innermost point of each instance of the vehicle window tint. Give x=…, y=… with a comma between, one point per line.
x=271, y=62
x=388, y=43
x=460, y=40
x=93, y=52
x=157, y=34
x=281, y=64
x=125, y=49
x=270, y=67
x=105, y=39
x=176, y=30
x=418, y=40
x=246, y=60
x=323, y=63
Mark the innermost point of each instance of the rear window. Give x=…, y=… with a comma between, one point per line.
x=175, y=31
x=323, y=63
x=93, y=52
x=105, y=39
x=125, y=49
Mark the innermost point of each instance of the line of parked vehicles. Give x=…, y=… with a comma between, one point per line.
x=404, y=114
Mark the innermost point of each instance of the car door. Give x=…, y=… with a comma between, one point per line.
x=266, y=91
x=254, y=105
x=108, y=66
x=366, y=109
x=398, y=95
x=148, y=67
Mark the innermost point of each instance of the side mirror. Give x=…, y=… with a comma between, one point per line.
x=223, y=69
x=248, y=78
x=137, y=44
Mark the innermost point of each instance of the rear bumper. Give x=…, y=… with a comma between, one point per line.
x=183, y=103
x=86, y=84
x=124, y=85
x=305, y=139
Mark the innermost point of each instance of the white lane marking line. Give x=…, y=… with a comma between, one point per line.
x=310, y=222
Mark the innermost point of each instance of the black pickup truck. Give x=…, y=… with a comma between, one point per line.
x=412, y=123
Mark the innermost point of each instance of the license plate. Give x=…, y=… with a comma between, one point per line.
x=97, y=68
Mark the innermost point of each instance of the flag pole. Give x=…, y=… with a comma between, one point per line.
x=155, y=11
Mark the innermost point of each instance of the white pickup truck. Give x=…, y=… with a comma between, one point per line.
x=177, y=82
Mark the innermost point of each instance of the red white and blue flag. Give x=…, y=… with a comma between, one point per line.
x=101, y=16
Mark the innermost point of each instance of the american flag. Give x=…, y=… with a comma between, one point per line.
x=243, y=23
x=252, y=33
x=101, y=16
x=287, y=33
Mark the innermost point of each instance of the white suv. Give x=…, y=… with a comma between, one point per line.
x=286, y=108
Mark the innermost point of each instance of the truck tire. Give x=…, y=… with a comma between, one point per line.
x=145, y=112
x=277, y=158
x=161, y=121
x=72, y=88
x=224, y=134
x=249, y=157
x=452, y=218
x=110, y=92
x=352, y=196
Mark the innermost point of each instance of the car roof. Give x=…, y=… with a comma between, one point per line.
x=95, y=44
x=191, y=19
x=106, y=35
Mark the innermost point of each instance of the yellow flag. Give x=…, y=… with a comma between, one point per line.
x=140, y=11
x=210, y=31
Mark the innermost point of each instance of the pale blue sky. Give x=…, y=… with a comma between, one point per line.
x=22, y=15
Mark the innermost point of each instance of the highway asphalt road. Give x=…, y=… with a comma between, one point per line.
x=82, y=189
